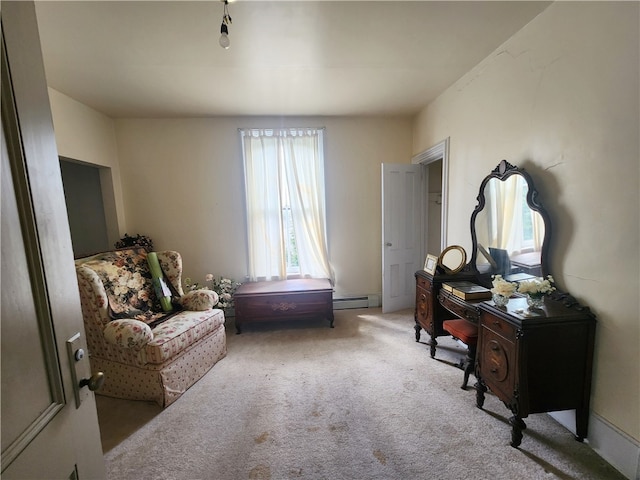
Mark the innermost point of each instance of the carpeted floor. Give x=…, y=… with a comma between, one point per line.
x=360, y=401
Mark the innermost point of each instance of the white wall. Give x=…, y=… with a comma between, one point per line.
x=88, y=136
x=561, y=99
x=183, y=185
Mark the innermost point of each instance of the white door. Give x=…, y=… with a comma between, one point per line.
x=402, y=229
x=49, y=427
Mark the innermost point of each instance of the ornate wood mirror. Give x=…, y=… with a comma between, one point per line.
x=510, y=230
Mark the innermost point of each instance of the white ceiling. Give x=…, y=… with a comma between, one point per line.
x=162, y=58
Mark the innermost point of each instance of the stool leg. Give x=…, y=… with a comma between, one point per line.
x=471, y=360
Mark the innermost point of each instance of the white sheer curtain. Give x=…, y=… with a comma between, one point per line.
x=285, y=168
x=505, y=213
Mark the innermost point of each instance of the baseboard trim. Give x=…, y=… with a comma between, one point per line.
x=356, y=301
x=613, y=445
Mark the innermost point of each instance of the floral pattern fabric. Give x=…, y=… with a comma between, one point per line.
x=127, y=282
x=143, y=362
x=171, y=264
x=128, y=333
x=179, y=332
x=199, y=300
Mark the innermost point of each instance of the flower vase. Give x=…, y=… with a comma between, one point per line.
x=535, y=301
x=500, y=300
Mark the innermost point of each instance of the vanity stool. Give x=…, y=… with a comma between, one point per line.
x=467, y=333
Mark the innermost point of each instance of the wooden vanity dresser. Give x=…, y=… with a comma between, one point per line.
x=533, y=360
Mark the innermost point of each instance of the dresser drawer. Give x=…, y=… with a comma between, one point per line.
x=498, y=326
x=496, y=365
x=423, y=283
x=459, y=308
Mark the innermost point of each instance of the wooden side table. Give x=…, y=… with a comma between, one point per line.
x=283, y=300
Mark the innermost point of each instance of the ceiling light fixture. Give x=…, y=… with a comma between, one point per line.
x=224, y=27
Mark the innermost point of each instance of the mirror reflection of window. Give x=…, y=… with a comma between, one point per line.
x=507, y=223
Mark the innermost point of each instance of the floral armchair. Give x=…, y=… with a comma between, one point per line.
x=145, y=351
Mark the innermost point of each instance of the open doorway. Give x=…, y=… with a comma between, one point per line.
x=433, y=234
x=435, y=164
x=85, y=207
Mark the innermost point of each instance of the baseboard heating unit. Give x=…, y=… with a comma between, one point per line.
x=363, y=301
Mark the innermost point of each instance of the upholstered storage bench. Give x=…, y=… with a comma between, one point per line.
x=144, y=352
x=283, y=300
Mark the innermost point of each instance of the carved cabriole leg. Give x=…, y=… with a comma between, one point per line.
x=417, y=328
x=517, y=426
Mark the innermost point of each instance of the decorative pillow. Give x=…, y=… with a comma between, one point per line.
x=198, y=300
x=128, y=333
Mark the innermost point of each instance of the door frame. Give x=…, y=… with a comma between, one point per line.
x=437, y=152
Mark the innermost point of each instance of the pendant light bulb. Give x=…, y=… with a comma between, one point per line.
x=224, y=37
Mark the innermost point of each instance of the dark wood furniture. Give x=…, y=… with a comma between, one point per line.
x=534, y=361
x=283, y=300
x=429, y=313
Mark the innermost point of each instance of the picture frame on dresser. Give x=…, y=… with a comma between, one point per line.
x=430, y=264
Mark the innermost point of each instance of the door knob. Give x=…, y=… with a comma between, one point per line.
x=94, y=382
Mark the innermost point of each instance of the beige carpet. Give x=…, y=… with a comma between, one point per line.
x=360, y=401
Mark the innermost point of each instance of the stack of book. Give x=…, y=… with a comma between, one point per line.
x=467, y=290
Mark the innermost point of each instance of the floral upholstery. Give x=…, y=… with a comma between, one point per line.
x=149, y=355
x=128, y=333
x=127, y=280
x=199, y=299
x=171, y=264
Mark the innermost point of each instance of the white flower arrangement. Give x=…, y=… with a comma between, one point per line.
x=537, y=287
x=224, y=287
x=502, y=287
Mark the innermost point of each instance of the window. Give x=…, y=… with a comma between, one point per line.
x=285, y=201
x=527, y=222
x=510, y=223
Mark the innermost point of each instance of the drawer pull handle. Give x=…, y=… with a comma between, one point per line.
x=495, y=348
x=494, y=370
x=496, y=323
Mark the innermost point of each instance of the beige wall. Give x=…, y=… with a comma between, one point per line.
x=183, y=185
x=561, y=99
x=88, y=136
x=180, y=181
